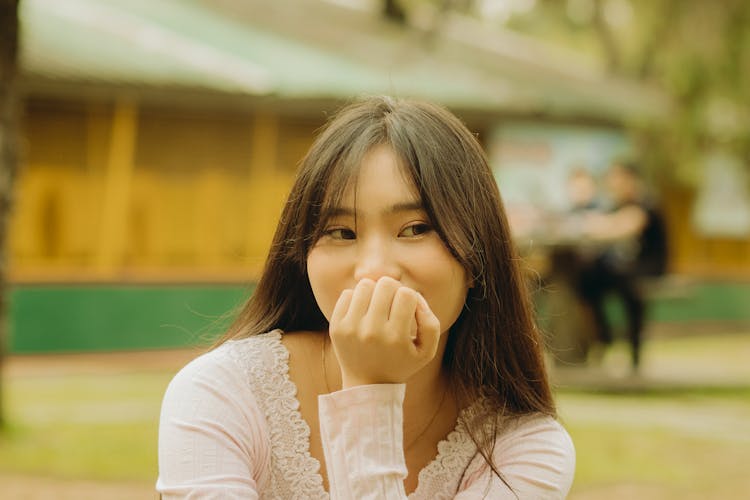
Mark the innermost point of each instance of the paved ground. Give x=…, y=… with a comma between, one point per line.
x=40, y=488
x=669, y=363
x=94, y=363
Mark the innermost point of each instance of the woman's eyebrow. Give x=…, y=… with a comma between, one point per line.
x=340, y=212
x=408, y=206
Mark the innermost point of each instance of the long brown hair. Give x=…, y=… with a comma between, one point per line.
x=495, y=350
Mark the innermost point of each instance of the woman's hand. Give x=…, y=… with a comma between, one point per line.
x=382, y=333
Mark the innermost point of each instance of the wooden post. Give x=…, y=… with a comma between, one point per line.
x=117, y=184
x=264, y=142
x=260, y=185
x=209, y=193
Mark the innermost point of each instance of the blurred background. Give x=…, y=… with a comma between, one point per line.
x=146, y=148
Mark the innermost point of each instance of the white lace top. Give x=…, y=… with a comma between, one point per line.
x=231, y=428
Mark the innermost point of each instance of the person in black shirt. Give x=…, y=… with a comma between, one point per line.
x=636, y=246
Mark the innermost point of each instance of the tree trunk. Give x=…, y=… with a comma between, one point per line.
x=8, y=157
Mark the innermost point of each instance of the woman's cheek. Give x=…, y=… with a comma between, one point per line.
x=446, y=291
x=323, y=281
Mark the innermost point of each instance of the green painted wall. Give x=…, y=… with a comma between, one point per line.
x=100, y=318
x=75, y=318
x=713, y=301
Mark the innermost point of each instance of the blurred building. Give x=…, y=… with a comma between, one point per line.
x=161, y=137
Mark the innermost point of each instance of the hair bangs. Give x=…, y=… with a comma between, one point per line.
x=340, y=174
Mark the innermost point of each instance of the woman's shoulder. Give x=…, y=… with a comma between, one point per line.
x=264, y=351
x=211, y=406
x=538, y=449
x=254, y=359
x=230, y=364
x=535, y=434
x=540, y=427
x=518, y=431
x=535, y=455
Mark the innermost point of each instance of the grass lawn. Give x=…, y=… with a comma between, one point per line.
x=72, y=423
x=82, y=426
x=680, y=446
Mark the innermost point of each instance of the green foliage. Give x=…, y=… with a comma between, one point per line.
x=698, y=52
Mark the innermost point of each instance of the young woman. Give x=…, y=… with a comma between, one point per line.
x=389, y=347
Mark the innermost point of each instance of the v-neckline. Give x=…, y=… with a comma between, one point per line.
x=457, y=434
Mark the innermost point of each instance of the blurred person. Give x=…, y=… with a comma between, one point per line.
x=584, y=204
x=571, y=332
x=636, y=246
x=389, y=345
x=582, y=190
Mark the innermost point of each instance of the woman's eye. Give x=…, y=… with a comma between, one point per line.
x=415, y=229
x=341, y=233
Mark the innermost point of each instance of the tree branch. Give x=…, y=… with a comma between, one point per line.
x=607, y=37
x=666, y=18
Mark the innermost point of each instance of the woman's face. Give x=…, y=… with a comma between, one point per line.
x=390, y=235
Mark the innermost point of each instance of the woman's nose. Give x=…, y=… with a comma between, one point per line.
x=376, y=259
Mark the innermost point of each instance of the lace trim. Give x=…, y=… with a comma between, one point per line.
x=295, y=473
x=440, y=479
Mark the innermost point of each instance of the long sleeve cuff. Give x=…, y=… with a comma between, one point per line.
x=362, y=433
